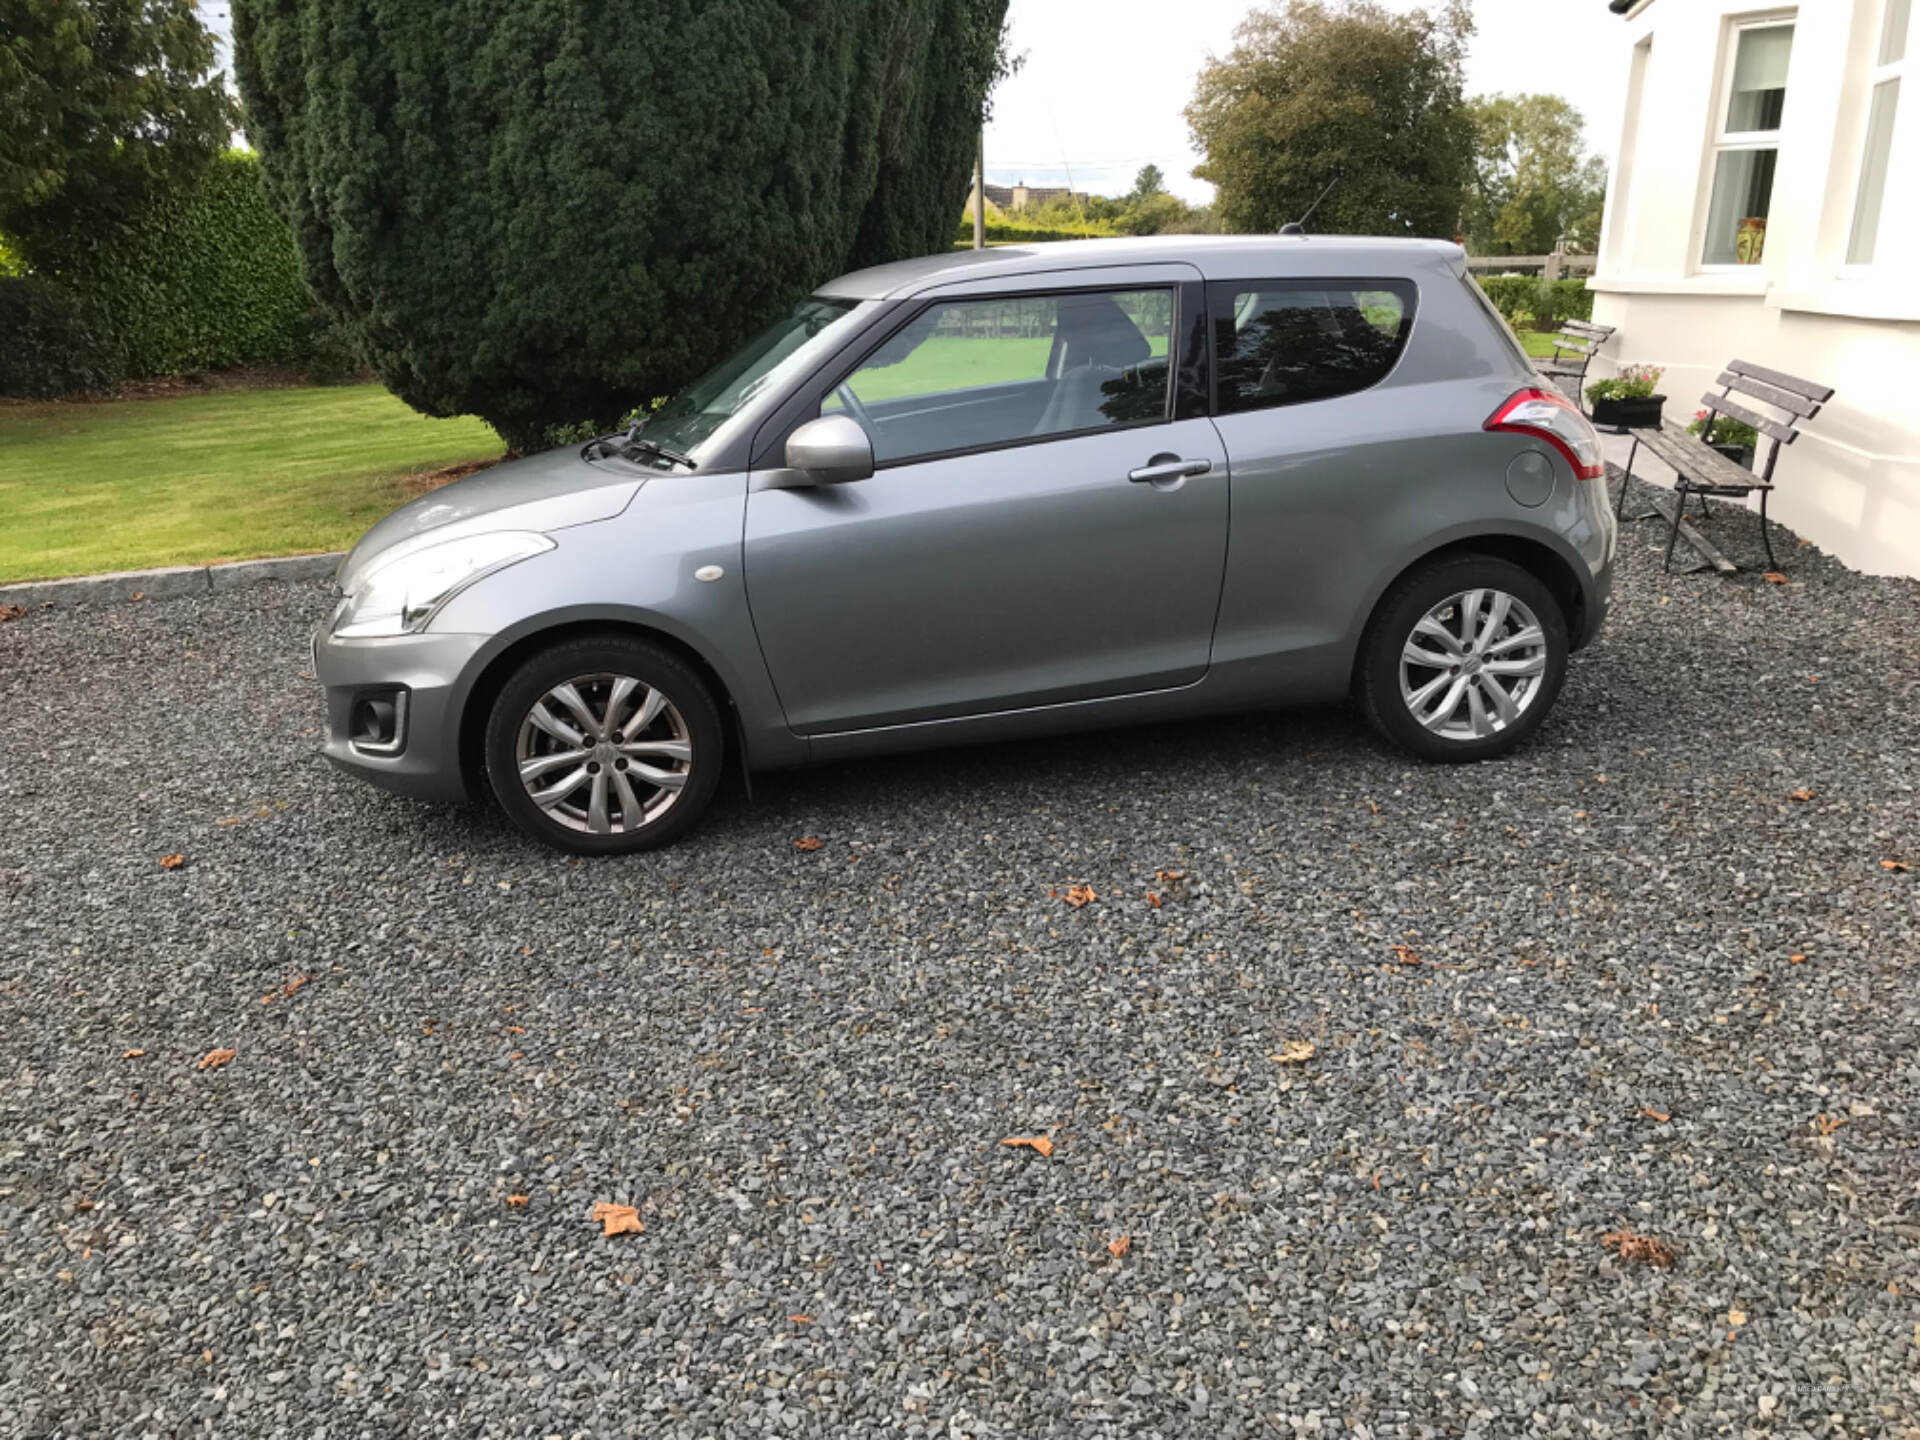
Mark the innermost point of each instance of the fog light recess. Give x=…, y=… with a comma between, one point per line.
x=377, y=724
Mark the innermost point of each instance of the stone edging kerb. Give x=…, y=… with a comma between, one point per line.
x=174, y=581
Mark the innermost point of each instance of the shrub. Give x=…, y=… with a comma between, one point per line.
x=1008, y=234
x=57, y=341
x=205, y=277
x=1527, y=300
x=546, y=213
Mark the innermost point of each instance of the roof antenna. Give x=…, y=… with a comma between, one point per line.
x=1299, y=227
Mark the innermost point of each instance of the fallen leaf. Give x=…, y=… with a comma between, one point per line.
x=1294, y=1052
x=172, y=862
x=808, y=843
x=1827, y=1124
x=214, y=1059
x=517, y=1201
x=1803, y=795
x=1153, y=900
x=1032, y=1142
x=1642, y=1249
x=1736, y=1317
x=1659, y=1117
x=1796, y=960
x=138, y=595
x=1078, y=895
x=285, y=991
x=83, y=1204
x=1373, y=807
x=1167, y=877
x=1898, y=866
x=131, y=1054
x=801, y=1319
x=11, y=612
x=1404, y=954
x=516, y=1029
x=1774, y=577
x=1119, y=1246
x=617, y=1219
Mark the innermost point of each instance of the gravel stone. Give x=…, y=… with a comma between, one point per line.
x=799, y=1067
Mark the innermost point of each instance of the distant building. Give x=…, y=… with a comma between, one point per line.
x=1015, y=198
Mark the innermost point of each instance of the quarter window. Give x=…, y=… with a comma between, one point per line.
x=1284, y=342
x=965, y=374
x=1747, y=144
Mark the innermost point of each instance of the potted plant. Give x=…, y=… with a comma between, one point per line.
x=1729, y=436
x=1627, y=401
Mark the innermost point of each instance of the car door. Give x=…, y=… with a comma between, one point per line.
x=1046, y=520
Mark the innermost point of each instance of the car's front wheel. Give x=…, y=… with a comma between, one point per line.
x=1464, y=659
x=604, y=744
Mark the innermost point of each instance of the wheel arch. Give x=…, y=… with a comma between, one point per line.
x=1536, y=557
x=499, y=661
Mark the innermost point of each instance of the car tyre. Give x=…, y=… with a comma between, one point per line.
x=635, y=779
x=1447, y=642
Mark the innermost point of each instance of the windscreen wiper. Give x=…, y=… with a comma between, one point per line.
x=654, y=447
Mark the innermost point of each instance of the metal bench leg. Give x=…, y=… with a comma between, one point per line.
x=1679, y=512
x=1766, y=537
x=1620, y=506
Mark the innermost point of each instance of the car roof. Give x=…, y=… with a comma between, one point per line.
x=1214, y=256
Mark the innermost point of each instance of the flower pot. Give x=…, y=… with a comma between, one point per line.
x=1631, y=412
x=1741, y=455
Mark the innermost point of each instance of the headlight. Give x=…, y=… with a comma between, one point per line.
x=403, y=595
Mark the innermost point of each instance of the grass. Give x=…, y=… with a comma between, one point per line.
x=1539, y=343
x=195, y=479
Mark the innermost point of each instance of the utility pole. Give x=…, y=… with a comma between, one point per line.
x=980, y=191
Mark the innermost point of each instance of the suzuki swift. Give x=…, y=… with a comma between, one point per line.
x=995, y=494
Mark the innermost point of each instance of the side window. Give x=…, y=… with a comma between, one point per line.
x=963, y=374
x=1284, y=342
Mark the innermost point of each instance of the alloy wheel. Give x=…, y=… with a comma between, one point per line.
x=604, y=754
x=1473, y=664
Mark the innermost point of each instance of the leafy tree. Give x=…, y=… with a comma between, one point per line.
x=101, y=103
x=1147, y=183
x=551, y=211
x=1534, y=184
x=1347, y=95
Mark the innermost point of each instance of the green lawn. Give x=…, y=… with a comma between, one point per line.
x=194, y=479
x=952, y=362
x=1539, y=343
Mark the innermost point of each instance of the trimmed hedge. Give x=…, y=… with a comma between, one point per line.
x=207, y=277
x=1529, y=300
x=56, y=342
x=1013, y=234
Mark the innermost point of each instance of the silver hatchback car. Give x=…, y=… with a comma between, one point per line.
x=994, y=494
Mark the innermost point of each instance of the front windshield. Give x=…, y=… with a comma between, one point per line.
x=785, y=348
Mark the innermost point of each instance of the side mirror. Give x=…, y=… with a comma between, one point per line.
x=829, y=451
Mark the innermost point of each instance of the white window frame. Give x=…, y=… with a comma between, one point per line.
x=1723, y=140
x=1897, y=202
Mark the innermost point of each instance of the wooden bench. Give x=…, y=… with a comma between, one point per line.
x=1573, y=349
x=1701, y=470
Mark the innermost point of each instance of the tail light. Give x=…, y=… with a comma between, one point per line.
x=1553, y=418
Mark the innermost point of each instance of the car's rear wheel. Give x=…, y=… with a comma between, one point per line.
x=604, y=745
x=1464, y=659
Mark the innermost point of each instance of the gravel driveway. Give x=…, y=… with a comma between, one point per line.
x=1655, y=993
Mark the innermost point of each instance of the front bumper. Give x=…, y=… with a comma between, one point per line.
x=430, y=671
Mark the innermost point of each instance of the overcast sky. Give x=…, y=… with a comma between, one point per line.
x=1105, y=81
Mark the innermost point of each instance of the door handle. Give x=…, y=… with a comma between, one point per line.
x=1168, y=467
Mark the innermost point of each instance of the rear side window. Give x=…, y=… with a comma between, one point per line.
x=1285, y=342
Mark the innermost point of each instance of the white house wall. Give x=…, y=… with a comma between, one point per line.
x=1852, y=482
